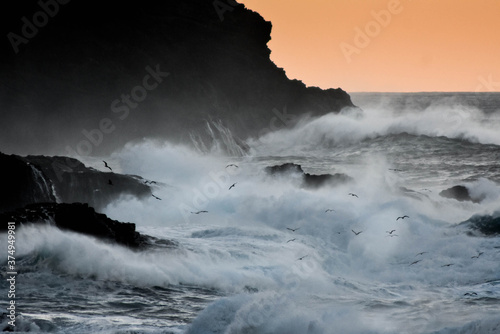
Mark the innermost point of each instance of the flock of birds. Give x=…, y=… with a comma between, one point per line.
x=389, y=233
x=145, y=182
x=154, y=182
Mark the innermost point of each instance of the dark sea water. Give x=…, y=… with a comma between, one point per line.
x=238, y=269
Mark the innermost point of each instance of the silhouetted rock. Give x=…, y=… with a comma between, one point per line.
x=74, y=182
x=211, y=69
x=285, y=168
x=460, y=193
x=486, y=225
x=308, y=180
x=40, y=179
x=22, y=184
x=80, y=218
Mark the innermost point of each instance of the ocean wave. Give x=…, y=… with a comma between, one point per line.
x=353, y=126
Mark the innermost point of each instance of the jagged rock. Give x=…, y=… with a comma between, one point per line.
x=40, y=179
x=460, y=193
x=78, y=67
x=285, y=168
x=22, y=184
x=80, y=218
x=308, y=180
x=486, y=224
x=74, y=182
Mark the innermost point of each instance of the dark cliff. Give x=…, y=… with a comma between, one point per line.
x=22, y=184
x=40, y=179
x=81, y=218
x=308, y=180
x=95, y=75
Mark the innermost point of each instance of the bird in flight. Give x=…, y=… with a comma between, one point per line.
x=293, y=229
x=353, y=195
x=470, y=294
x=356, y=232
x=395, y=170
x=447, y=265
x=477, y=256
x=232, y=186
x=415, y=262
x=301, y=258
x=421, y=253
x=198, y=212
x=231, y=165
x=158, y=198
x=150, y=182
x=328, y=210
x=106, y=165
x=402, y=217
x=109, y=182
x=391, y=231
x=290, y=240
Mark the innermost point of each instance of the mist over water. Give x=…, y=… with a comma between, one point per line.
x=247, y=225
x=256, y=276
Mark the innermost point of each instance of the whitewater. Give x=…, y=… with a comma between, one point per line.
x=273, y=256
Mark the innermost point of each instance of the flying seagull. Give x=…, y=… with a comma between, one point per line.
x=300, y=258
x=290, y=240
x=109, y=182
x=477, y=256
x=106, y=165
x=402, y=217
x=293, y=229
x=198, y=212
x=150, y=182
x=158, y=198
x=353, y=195
x=391, y=231
x=233, y=165
x=415, y=262
x=396, y=169
x=470, y=294
x=328, y=210
x=356, y=232
x=447, y=265
x=232, y=186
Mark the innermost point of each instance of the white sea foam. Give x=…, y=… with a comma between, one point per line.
x=322, y=278
x=353, y=126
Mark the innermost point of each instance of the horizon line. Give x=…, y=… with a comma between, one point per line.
x=419, y=92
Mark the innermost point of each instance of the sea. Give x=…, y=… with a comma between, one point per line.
x=272, y=256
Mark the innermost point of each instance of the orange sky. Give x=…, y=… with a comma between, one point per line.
x=422, y=45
